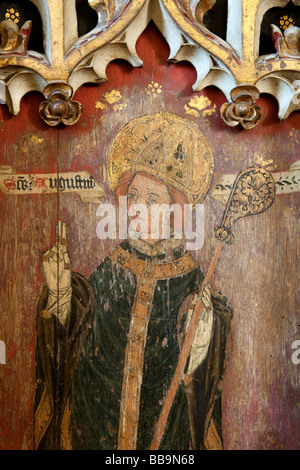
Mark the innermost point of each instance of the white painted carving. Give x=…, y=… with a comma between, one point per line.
x=223, y=64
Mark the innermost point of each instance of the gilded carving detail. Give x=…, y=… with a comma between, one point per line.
x=13, y=39
x=242, y=110
x=59, y=107
x=287, y=43
x=223, y=62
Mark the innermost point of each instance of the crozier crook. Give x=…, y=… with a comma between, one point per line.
x=253, y=192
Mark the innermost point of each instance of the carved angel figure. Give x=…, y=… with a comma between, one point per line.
x=13, y=39
x=287, y=43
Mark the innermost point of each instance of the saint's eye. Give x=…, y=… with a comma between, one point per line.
x=152, y=200
x=132, y=196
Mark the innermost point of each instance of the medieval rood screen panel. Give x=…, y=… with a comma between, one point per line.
x=149, y=181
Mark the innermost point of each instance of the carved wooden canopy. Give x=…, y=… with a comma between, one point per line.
x=234, y=62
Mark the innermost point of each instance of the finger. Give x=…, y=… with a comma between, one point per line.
x=54, y=249
x=64, y=237
x=206, y=303
x=67, y=261
x=206, y=295
x=57, y=232
x=58, y=229
x=61, y=235
x=207, y=287
x=206, y=298
x=206, y=291
x=51, y=256
x=57, y=250
x=60, y=253
x=67, y=257
x=57, y=253
x=64, y=230
x=45, y=256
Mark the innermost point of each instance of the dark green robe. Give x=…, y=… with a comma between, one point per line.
x=93, y=379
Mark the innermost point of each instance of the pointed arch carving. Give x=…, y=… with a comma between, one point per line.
x=232, y=65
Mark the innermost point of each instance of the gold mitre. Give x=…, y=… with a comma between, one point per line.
x=167, y=146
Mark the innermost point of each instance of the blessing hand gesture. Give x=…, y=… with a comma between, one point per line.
x=56, y=262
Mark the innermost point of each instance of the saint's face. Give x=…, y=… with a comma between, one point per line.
x=143, y=196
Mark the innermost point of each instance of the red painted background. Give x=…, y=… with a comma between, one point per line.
x=258, y=273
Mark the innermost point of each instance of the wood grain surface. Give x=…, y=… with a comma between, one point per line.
x=258, y=272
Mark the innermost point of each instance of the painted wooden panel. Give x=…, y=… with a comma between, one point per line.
x=258, y=272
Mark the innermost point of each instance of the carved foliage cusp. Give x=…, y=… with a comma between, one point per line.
x=108, y=10
x=197, y=8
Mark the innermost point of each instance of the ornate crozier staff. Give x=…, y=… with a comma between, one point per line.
x=253, y=192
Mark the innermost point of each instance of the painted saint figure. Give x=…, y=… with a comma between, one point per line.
x=108, y=346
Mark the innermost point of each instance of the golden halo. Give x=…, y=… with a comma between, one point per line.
x=167, y=146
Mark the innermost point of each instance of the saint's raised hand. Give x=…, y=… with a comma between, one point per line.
x=56, y=262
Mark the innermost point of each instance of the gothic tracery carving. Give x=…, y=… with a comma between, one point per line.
x=225, y=63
